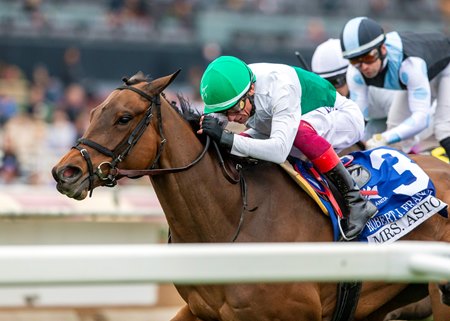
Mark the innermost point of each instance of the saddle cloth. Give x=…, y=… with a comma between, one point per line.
x=401, y=190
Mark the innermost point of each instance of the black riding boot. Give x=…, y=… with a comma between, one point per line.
x=359, y=209
x=445, y=143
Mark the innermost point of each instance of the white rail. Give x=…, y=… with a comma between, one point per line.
x=223, y=263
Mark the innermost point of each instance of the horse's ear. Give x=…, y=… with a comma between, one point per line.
x=157, y=86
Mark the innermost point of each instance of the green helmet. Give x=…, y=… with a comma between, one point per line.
x=226, y=80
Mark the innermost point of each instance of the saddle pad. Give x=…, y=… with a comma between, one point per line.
x=401, y=190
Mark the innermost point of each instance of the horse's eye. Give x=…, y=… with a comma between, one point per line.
x=124, y=119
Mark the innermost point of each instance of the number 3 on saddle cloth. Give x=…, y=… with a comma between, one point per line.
x=401, y=190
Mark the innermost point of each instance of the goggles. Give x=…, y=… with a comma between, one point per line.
x=240, y=105
x=368, y=58
x=337, y=81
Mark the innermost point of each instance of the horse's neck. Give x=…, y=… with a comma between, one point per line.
x=193, y=200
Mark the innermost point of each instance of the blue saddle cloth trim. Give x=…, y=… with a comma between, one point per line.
x=303, y=168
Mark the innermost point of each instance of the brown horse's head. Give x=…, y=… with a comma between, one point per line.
x=115, y=129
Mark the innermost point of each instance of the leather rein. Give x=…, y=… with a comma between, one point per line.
x=109, y=172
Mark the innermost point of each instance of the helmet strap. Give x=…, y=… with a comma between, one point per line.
x=383, y=59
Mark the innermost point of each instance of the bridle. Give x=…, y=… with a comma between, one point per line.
x=108, y=171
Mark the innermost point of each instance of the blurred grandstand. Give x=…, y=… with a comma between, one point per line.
x=59, y=58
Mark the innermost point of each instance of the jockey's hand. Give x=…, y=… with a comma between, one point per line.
x=376, y=141
x=210, y=126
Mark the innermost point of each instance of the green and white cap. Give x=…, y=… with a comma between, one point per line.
x=226, y=80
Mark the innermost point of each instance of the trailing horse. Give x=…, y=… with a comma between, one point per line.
x=136, y=131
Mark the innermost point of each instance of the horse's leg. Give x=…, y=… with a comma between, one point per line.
x=445, y=293
x=413, y=311
x=441, y=312
x=388, y=298
x=185, y=315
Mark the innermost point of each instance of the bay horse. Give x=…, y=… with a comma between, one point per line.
x=137, y=131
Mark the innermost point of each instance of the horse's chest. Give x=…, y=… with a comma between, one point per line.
x=262, y=302
x=214, y=303
x=204, y=302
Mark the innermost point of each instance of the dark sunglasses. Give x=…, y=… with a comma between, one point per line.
x=337, y=81
x=368, y=58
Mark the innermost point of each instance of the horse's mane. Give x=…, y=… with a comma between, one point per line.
x=191, y=115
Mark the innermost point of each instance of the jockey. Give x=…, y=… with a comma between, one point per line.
x=327, y=62
x=418, y=63
x=284, y=106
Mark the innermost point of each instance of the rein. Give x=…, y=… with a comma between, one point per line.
x=131, y=173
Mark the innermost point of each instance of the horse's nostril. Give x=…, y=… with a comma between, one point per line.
x=68, y=173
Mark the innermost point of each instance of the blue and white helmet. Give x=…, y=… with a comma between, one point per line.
x=359, y=36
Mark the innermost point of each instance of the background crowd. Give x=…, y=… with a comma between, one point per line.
x=59, y=59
